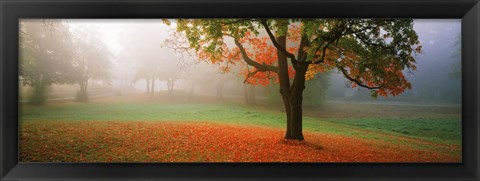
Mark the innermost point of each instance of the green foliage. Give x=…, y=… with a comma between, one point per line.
x=208, y=34
x=44, y=55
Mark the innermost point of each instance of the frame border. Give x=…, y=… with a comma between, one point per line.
x=11, y=11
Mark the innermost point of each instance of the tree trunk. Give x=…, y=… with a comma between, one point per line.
x=291, y=94
x=245, y=93
x=82, y=95
x=147, y=82
x=295, y=100
x=38, y=96
x=86, y=86
x=284, y=82
x=82, y=87
x=152, y=87
x=170, y=84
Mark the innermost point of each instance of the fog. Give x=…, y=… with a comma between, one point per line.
x=142, y=61
x=438, y=74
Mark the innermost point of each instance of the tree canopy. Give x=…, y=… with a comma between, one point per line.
x=44, y=56
x=371, y=53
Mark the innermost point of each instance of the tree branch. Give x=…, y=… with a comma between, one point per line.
x=335, y=38
x=261, y=67
x=302, y=55
x=345, y=73
x=250, y=74
x=236, y=21
x=275, y=43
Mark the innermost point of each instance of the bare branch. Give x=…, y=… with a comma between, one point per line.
x=178, y=43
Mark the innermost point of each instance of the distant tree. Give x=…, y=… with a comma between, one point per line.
x=45, y=56
x=152, y=68
x=91, y=61
x=369, y=53
x=185, y=61
x=146, y=69
x=316, y=90
x=151, y=62
x=456, y=70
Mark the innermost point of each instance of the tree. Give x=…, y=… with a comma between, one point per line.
x=147, y=69
x=369, y=53
x=45, y=55
x=316, y=90
x=91, y=61
x=148, y=60
x=456, y=70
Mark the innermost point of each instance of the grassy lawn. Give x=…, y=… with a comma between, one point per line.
x=423, y=128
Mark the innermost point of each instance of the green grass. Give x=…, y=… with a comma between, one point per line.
x=427, y=124
x=433, y=129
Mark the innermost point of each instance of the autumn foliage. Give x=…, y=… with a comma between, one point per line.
x=147, y=141
x=370, y=53
x=258, y=48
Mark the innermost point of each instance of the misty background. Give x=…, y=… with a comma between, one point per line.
x=139, y=60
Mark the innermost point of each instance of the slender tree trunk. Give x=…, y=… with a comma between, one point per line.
x=245, y=93
x=249, y=92
x=170, y=84
x=86, y=86
x=147, y=82
x=152, y=87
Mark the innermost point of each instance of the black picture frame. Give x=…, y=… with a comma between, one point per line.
x=11, y=11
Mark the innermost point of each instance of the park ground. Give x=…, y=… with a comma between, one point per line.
x=141, y=128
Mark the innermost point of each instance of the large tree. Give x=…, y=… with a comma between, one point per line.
x=370, y=53
x=45, y=55
x=91, y=60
